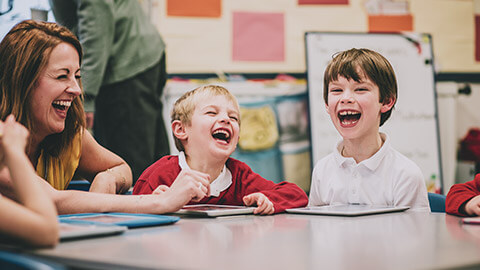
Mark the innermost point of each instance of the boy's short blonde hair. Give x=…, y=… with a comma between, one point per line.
x=185, y=105
x=374, y=66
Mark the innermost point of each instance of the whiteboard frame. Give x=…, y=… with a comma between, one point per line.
x=311, y=107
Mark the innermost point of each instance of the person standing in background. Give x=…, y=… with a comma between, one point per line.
x=124, y=73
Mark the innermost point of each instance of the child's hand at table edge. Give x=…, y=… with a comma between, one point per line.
x=472, y=207
x=264, y=205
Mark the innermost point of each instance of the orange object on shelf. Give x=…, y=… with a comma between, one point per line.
x=194, y=8
x=390, y=23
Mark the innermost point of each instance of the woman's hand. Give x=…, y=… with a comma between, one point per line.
x=189, y=186
x=107, y=172
x=13, y=138
x=111, y=181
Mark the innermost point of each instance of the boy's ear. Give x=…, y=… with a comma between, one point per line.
x=178, y=130
x=387, y=106
x=327, y=108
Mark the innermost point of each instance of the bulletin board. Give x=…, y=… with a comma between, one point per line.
x=413, y=125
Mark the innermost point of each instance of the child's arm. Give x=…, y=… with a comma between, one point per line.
x=460, y=195
x=34, y=218
x=283, y=195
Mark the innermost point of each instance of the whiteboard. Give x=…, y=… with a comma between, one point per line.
x=413, y=125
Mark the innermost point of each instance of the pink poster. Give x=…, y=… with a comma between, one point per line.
x=258, y=36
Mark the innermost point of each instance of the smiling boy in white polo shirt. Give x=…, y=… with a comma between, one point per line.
x=360, y=91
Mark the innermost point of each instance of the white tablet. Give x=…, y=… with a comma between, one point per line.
x=72, y=231
x=471, y=220
x=347, y=210
x=214, y=210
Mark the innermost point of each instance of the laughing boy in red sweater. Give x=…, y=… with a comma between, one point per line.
x=206, y=126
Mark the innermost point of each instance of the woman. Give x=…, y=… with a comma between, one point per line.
x=40, y=85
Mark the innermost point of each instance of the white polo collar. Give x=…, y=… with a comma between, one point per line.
x=223, y=181
x=371, y=163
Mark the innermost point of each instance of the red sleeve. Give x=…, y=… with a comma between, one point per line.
x=283, y=195
x=460, y=194
x=162, y=172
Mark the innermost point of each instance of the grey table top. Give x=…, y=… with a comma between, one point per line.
x=407, y=240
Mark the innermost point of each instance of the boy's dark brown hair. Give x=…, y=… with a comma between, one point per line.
x=349, y=63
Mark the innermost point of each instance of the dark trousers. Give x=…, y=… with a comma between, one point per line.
x=128, y=118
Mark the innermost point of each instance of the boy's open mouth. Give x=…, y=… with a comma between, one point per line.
x=221, y=134
x=61, y=105
x=349, y=117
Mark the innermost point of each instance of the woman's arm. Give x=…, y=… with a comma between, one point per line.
x=34, y=218
x=108, y=172
x=26, y=225
x=73, y=201
x=179, y=194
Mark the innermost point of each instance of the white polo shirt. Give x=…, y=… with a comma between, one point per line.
x=386, y=178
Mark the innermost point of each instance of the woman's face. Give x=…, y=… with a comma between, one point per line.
x=56, y=88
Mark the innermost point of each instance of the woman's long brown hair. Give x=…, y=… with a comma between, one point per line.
x=24, y=54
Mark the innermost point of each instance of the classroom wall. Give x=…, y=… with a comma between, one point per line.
x=204, y=45
x=457, y=113
x=197, y=45
x=467, y=110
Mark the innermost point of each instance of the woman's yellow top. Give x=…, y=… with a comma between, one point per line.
x=58, y=171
